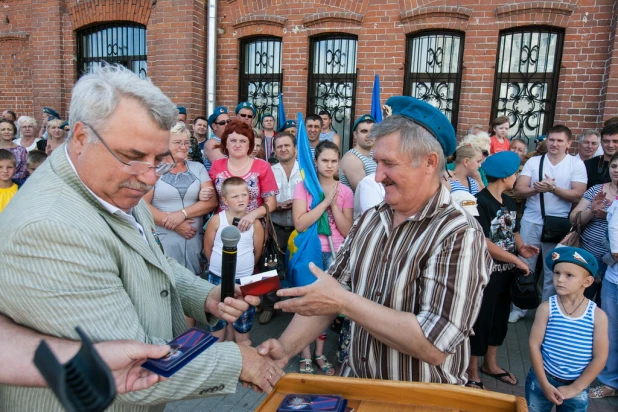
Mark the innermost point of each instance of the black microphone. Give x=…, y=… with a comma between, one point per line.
x=230, y=236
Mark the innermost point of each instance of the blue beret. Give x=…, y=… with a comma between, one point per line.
x=218, y=112
x=363, y=118
x=287, y=125
x=65, y=126
x=265, y=116
x=432, y=119
x=573, y=255
x=181, y=110
x=540, y=138
x=501, y=165
x=51, y=112
x=245, y=105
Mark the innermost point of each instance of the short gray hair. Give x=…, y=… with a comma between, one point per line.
x=96, y=96
x=181, y=128
x=416, y=141
x=589, y=132
x=25, y=119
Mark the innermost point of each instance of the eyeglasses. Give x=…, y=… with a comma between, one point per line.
x=223, y=122
x=181, y=143
x=135, y=167
x=250, y=116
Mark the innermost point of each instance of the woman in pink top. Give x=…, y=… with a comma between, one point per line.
x=499, y=135
x=237, y=143
x=338, y=203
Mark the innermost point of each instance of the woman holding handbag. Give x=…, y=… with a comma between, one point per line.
x=590, y=215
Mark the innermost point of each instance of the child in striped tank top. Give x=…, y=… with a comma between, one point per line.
x=568, y=342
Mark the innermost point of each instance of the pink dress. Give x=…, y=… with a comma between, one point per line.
x=260, y=178
x=345, y=200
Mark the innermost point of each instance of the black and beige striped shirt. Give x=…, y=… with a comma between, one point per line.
x=434, y=265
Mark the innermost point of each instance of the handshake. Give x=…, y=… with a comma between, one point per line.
x=262, y=367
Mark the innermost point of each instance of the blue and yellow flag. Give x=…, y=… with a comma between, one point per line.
x=305, y=247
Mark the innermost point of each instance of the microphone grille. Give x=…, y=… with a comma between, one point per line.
x=230, y=236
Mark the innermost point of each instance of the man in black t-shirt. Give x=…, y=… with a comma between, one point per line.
x=497, y=214
x=597, y=168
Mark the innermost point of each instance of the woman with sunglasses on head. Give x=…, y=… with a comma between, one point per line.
x=175, y=205
x=327, y=132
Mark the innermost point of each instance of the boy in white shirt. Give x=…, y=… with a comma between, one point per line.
x=235, y=195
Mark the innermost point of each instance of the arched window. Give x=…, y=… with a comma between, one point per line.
x=433, y=70
x=526, y=80
x=332, y=81
x=261, y=75
x=123, y=43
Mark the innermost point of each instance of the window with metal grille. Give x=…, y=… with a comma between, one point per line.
x=123, y=43
x=332, y=81
x=261, y=75
x=526, y=81
x=433, y=70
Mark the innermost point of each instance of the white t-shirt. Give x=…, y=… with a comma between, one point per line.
x=368, y=194
x=29, y=148
x=569, y=170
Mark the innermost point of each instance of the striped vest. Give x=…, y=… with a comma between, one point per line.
x=368, y=164
x=567, y=345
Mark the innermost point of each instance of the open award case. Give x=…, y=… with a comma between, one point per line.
x=368, y=395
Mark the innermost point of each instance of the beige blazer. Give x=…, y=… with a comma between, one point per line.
x=65, y=261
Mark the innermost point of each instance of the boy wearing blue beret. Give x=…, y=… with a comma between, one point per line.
x=568, y=342
x=497, y=214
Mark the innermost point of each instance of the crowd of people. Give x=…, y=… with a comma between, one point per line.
x=427, y=237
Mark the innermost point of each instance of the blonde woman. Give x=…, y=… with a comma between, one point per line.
x=467, y=159
x=56, y=135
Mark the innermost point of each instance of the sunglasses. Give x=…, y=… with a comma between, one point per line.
x=250, y=116
x=223, y=122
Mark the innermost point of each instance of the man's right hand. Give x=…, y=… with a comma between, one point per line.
x=259, y=371
x=275, y=351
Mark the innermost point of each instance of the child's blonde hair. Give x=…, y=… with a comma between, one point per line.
x=232, y=181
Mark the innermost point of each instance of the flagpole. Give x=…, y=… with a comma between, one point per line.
x=332, y=247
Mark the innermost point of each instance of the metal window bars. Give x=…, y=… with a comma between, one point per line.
x=261, y=74
x=433, y=70
x=123, y=43
x=526, y=79
x=332, y=81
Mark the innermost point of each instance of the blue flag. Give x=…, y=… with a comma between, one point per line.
x=280, y=112
x=305, y=247
x=376, y=105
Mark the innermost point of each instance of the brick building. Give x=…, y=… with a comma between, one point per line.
x=541, y=62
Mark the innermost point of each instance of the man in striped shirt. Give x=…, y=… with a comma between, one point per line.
x=411, y=273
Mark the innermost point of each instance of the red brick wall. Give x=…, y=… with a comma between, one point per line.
x=41, y=71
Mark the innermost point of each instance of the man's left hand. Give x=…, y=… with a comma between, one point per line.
x=323, y=297
x=232, y=308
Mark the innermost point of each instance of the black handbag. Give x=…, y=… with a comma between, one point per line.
x=271, y=251
x=554, y=228
x=523, y=291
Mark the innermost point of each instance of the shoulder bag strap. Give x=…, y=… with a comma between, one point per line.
x=540, y=180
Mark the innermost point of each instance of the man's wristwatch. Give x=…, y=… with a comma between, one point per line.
x=553, y=188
